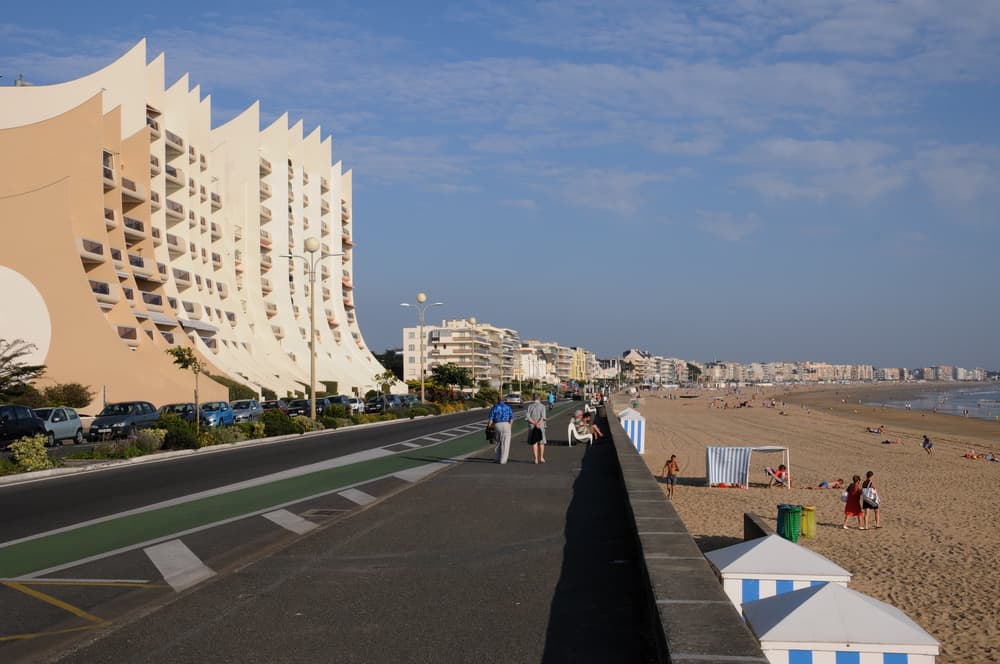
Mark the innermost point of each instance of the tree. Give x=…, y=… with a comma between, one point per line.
x=186, y=359
x=392, y=359
x=385, y=380
x=74, y=395
x=451, y=374
x=15, y=372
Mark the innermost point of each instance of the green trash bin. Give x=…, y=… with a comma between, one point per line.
x=809, y=522
x=792, y=523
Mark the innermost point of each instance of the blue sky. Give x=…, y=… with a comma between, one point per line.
x=743, y=180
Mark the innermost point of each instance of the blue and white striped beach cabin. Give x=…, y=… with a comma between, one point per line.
x=830, y=624
x=731, y=465
x=635, y=427
x=769, y=566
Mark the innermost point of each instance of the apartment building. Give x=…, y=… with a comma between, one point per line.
x=488, y=351
x=140, y=227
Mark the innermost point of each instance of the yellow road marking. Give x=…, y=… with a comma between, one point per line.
x=99, y=584
x=48, y=599
x=35, y=635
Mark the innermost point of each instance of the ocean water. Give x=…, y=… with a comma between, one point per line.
x=981, y=402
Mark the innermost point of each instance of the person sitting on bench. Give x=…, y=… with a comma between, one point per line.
x=579, y=429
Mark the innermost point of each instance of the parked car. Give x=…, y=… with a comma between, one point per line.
x=61, y=423
x=301, y=406
x=217, y=413
x=384, y=403
x=275, y=404
x=514, y=399
x=408, y=400
x=185, y=411
x=357, y=405
x=246, y=410
x=17, y=422
x=118, y=420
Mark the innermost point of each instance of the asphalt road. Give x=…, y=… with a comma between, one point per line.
x=36, y=507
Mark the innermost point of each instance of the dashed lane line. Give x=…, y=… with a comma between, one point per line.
x=420, y=472
x=180, y=568
x=290, y=521
x=357, y=496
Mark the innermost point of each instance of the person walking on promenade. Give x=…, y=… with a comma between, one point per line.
x=501, y=417
x=551, y=400
x=870, y=499
x=852, y=506
x=671, y=469
x=535, y=416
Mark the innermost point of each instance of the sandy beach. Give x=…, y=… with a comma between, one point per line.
x=936, y=556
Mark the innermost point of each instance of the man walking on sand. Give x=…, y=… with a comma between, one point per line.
x=536, y=428
x=501, y=417
x=671, y=469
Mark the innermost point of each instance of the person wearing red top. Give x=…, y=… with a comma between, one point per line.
x=853, y=505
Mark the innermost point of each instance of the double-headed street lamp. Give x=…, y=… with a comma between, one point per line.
x=312, y=246
x=421, y=307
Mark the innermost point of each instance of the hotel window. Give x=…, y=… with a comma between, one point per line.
x=412, y=335
x=412, y=360
x=411, y=347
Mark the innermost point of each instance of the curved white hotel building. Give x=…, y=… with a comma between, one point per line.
x=130, y=225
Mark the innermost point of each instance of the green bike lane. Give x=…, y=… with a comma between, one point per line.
x=92, y=541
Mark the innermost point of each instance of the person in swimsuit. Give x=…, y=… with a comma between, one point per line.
x=671, y=469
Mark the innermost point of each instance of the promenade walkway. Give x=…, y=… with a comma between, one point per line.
x=479, y=563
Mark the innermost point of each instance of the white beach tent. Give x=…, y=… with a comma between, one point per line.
x=731, y=465
x=770, y=566
x=831, y=624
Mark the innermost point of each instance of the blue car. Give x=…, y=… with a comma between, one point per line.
x=218, y=413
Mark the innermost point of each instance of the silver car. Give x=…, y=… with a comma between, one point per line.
x=246, y=410
x=61, y=423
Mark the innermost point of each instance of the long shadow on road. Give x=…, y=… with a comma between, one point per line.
x=598, y=613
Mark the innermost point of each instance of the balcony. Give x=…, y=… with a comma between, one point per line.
x=128, y=334
x=203, y=162
x=116, y=258
x=157, y=235
x=129, y=293
x=153, y=301
x=271, y=309
x=182, y=278
x=324, y=184
x=174, y=142
x=192, y=310
x=265, y=262
x=305, y=178
x=265, y=286
x=346, y=241
x=175, y=210
x=216, y=261
x=135, y=229
x=348, y=303
x=345, y=212
x=139, y=268
x=110, y=219
x=162, y=269
x=279, y=332
x=265, y=239
x=331, y=319
x=237, y=232
x=346, y=281
x=154, y=127
x=305, y=200
x=324, y=205
x=231, y=317
x=102, y=290
x=133, y=191
x=265, y=213
x=192, y=219
x=305, y=223
x=174, y=175
x=91, y=251
x=154, y=165
x=216, y=231
x=223, y=290
x=174, y=245
x=216, y=201
x=192, y=154
x=291, y=172
x=265, y=166
x=109, y=177
x=265, y=190
x=192, y=188
x=202, y=193
x=154, y=200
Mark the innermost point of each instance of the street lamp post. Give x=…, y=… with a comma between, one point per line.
x=312, y=246
x=421, y=308
x=472, y=368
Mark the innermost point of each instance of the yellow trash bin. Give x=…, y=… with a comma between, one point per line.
x=809, y=521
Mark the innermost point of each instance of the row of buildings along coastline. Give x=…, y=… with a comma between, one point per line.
x=132, y=225
x=498, y=356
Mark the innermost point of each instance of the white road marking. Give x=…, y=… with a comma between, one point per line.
x=178, y=564
x=289, y=521
x=356, y=496
x=60, y=579
x=411, y=445
x=419, y=473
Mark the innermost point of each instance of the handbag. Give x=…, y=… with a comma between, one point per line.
x=870, y=496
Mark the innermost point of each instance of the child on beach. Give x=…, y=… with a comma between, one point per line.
x=852, y=507
x=927, y=444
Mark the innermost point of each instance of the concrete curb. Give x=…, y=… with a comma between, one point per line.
x=111, y=464
x=696, y=620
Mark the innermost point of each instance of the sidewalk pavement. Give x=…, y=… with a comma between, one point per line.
x=480, y=563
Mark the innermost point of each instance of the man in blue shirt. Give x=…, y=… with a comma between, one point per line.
x=501, y=417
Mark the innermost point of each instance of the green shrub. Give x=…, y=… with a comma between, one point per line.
x=277, y=423
x=30, y=454
x=337, y=410
x=180, y=434
x=371, y=394
x=415, y=411
x=150, y=440
x=251, y=430
x=220, y=436
x=74, y=395
x=304, y=424
x=7, y=466
x=488, y=394
x=385, y=417
x=119, y=449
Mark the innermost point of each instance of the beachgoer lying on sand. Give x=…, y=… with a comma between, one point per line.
x=833, y=484
x=892, y=442
x=880, y=429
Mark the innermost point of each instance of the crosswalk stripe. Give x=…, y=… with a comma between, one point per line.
x=290, y=521
x=178, y=564
x=418, y=473
x=356, y=496
x=411, y=445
